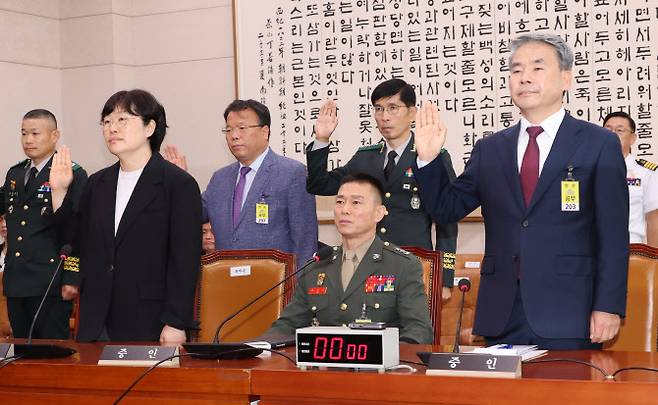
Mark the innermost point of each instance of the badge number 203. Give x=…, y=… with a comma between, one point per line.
x=570, y=196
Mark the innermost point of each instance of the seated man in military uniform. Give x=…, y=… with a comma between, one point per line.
x=365, y=278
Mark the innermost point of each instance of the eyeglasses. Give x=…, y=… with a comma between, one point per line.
x=239, y=129
x=393, y=109
x=620, y=131
x=120, y=122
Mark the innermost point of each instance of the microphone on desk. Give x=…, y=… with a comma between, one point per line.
x=464, y=285
x=241, y=350
x=44, y=351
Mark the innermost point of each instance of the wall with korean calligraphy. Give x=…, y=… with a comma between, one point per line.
x=294, y=54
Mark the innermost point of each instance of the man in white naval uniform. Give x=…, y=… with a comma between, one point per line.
x=642, y=179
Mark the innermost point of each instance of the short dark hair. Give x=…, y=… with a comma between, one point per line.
x=41, y=113
x=363, y=178
x=391, y=87
x=620, y=114
x=143, y=104
x=259, y=108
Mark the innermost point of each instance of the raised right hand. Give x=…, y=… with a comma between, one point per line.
x=61, y=174
x=327, y=121
x=173, y=155
x=430, y=134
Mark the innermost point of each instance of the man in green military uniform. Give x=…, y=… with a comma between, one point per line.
x=33, y=242
x=365, y=278
x=406, y=222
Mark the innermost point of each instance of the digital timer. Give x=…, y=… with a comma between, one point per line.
x=335, y=346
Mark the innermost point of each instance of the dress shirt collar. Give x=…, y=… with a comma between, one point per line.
x=360, y=250
x=400, y=149
x=255, y=165
x=550, y=125
x=41, y=165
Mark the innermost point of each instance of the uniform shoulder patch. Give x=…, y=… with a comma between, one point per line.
x=374, y=146
x=72, y=263
x=647, y=165
x=397, y=250
x=75, y=166
x=22, y=163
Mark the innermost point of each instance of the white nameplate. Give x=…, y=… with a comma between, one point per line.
x=239, y=271
x=145, y=356
x=472, y=265
x=474, y=365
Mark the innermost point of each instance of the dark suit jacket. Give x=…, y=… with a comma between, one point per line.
x=32, y=256
x=404, y=225
x=146, y=276
x=292, y=226
x=570, y=263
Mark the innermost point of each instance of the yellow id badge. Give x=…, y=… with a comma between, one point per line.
x=570, y=196
x=262, y=213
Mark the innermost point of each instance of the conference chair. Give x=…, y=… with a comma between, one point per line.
x=230, y=279
x=433, y=279
x=638, y=329
x=466, y=265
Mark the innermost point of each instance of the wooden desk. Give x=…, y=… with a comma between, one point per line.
x=548, y=383
x=78, y=380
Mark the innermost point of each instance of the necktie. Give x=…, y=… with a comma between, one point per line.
x=31, y=178
x=390, y=164
x=530, y=166
x=348, y=269
x=239, y=192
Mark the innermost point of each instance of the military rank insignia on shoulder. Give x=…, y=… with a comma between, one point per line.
x=647, y=165
x=397, y=250
x=375, y=146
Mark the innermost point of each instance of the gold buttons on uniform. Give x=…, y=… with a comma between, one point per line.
x=20, y=238
x=388, y=195
x=386, y=243
x=22, y=223
x=52, y=260
x=343, y=306
x=17, y=254
x=314, y=308
x=382, y=230
x=377, y=305
x=45, y=200
x=25, y=207
x=415, y=188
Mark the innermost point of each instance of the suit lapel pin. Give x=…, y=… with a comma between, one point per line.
x=376, y=256
x=43, y=210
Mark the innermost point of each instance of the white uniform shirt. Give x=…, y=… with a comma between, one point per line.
x=643, y=195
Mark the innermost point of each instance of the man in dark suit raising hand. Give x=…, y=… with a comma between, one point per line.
x=555, y=266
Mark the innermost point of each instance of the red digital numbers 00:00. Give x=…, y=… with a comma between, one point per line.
x=335, y=349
